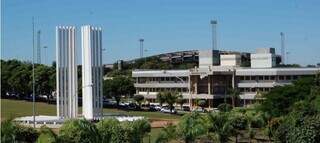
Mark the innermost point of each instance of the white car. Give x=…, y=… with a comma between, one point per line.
x=167, y=110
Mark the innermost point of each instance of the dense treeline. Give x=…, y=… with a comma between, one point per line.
x=16, y=79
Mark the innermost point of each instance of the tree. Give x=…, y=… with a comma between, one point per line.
x=224, y=107
x=139, y=129
x=170, y=98
x=13, y=132
x=161, y=98
x=79, y=131
x=138, y=99
x=234, y=93
x=219, y=127
x=21, y=81
x=111, y=131
x=167, y=134
x=202, y=103
x=254, y=120
x=238, y=122
x=181, y=101
x=8, y=129
x=279, y=101
x=118, y=86
x=191, y=126
x=47, y=136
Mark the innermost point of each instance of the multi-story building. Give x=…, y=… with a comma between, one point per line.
x=212, y=82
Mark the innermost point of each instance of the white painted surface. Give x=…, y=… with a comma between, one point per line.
x=267, y=60
x=92, y=72
x=66, y=70
x=230, y=60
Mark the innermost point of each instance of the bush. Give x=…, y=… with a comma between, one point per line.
x=111, y=131
x=13, y=132
x=47, y=136
x=79, y=131
x=224, y=107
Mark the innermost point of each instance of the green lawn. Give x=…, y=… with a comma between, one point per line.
x=18, y=108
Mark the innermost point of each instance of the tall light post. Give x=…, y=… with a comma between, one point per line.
x=33, y=78
x=214, y=34
x=45, y=54
x=141, y=47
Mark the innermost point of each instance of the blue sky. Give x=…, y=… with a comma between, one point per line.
x=166, y=26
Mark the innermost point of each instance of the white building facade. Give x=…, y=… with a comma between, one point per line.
x=211, y=83
x=92, y=72
x=66, y=72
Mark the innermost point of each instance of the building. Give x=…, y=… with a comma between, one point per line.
x=92, y=72
x=212, y=82
x=66, y=72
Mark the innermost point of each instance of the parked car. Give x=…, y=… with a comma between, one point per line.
x=200, y=110
x=185, y=108
x=167, y=110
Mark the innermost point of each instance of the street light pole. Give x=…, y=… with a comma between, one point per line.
x=214, y=34
x=33, y=78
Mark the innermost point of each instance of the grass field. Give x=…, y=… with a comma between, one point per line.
x=18, y=108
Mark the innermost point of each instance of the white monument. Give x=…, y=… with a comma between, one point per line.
x=66, y=70
x=92, y=72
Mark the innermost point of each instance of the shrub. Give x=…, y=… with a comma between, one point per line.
x=47, y=136
x=79, y=131
x=224, y=107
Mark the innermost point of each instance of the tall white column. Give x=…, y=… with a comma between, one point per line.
x=66, y=72
x=92, y=72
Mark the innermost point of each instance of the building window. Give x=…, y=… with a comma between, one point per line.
x=247, y=77
x=288, y=77
x=295, y=77
x=266, y=77
x=241, y=77
x=281, y=77
x=253, y=77
x=260, y=77
x=272, y=77
x=253, y=89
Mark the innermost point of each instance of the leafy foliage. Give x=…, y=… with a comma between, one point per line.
x=13, y=132
x=47, y=136
x=118, y=86
x=224, y=107
x=138, y=99
x=191, y=127
x=79, y=131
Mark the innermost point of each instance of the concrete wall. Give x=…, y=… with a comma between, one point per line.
x=230, y=60
x=263, y=60
x=92, y=72
x=66, y=70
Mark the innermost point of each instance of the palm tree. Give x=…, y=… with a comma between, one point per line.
x=234, y=95
x=170, y=98
x=161, y=97
x=167, y=134
x=253, y=118
x=219, y=127
x=139, y=99
x=191, y=126
x=79, y=131
x=181, y=101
